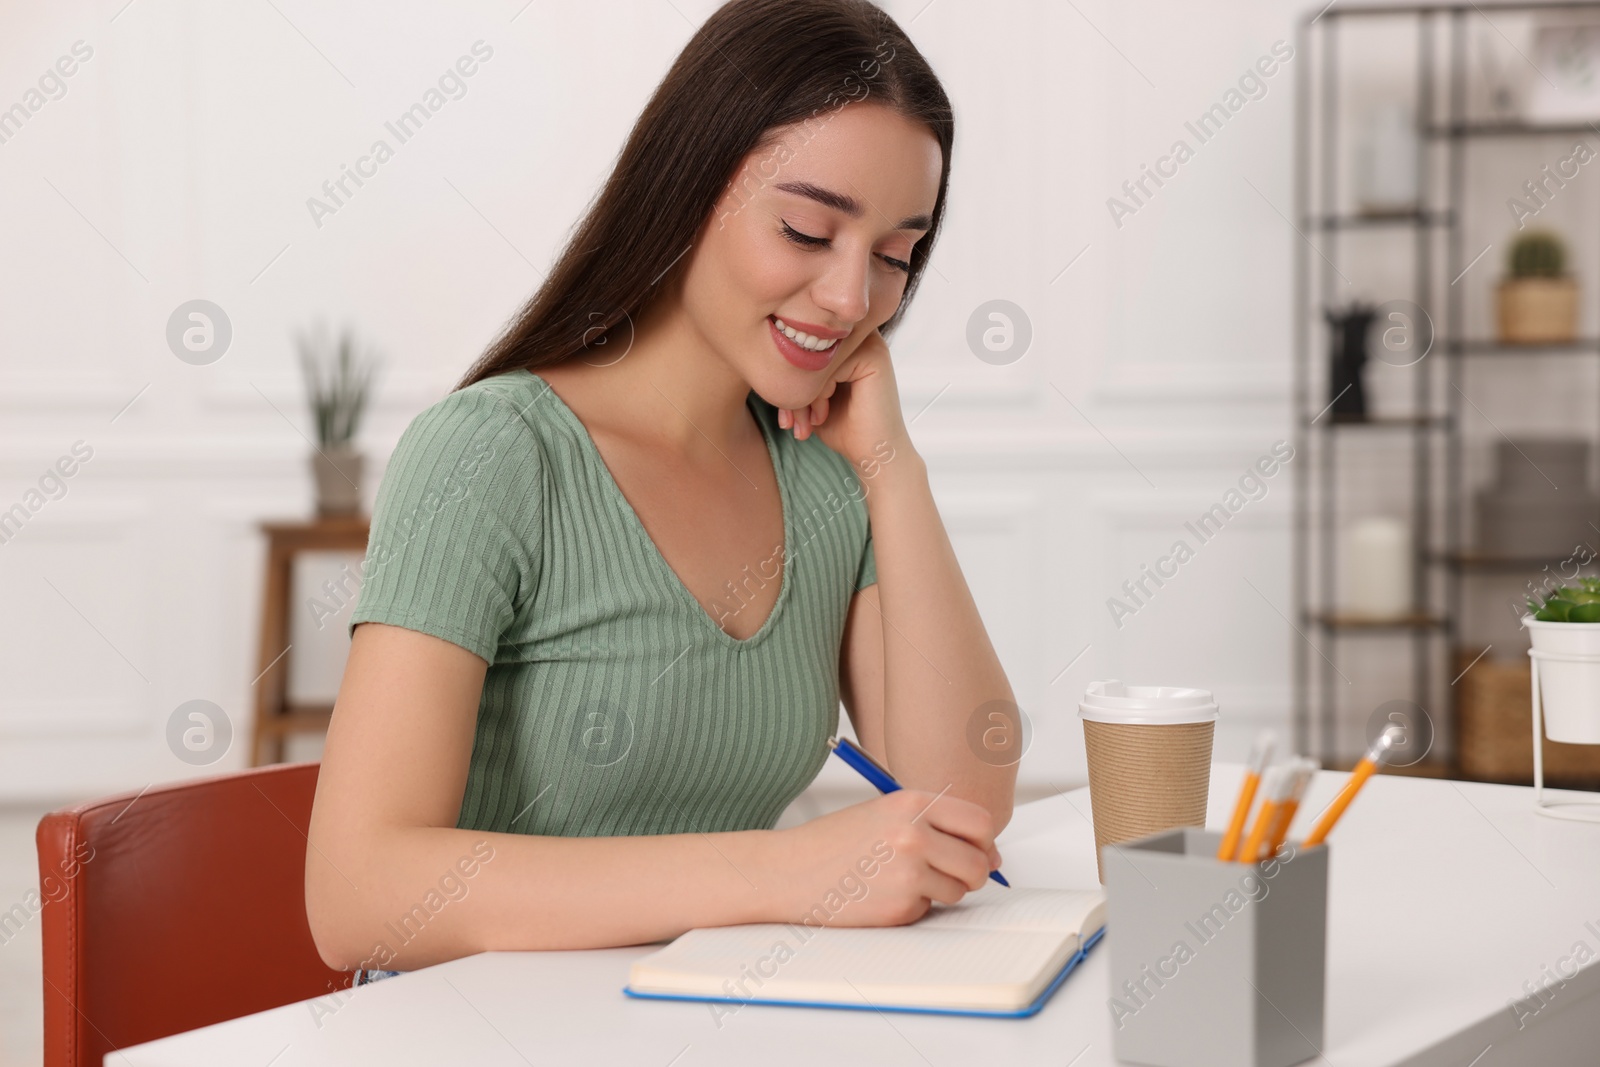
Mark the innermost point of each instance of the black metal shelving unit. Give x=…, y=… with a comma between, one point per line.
x=1433, y=427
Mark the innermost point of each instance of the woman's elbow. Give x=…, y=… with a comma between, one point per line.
x=333, y=912
x=330, y=930
x=333, y=956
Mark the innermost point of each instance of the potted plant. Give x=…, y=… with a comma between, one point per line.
x=1564, y=625
x=1538, y=303
x=338, y=386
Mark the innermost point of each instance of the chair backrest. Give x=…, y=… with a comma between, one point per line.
x=176, y=907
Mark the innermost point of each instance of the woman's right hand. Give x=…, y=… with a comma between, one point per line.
x=884, y=861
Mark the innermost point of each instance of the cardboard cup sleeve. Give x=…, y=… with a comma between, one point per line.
x=1145, y=778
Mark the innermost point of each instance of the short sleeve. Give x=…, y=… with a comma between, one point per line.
x=867, y=573
x=453, y=548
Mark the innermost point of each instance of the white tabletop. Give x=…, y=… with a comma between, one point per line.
x=1445, y=898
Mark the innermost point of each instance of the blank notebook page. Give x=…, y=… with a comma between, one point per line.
x=995, y=949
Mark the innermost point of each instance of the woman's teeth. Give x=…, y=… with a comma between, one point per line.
x=804, y=340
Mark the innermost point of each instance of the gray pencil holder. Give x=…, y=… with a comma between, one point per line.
x=1215, y=964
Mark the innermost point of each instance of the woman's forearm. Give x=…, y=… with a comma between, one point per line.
x=940, y=667
x=410, y=897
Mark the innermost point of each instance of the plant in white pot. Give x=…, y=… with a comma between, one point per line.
x=338, y=386
x=1564, y=626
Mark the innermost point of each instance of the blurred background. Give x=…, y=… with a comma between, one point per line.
x=1309, y=292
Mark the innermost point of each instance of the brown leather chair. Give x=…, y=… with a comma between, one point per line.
x=174, y=908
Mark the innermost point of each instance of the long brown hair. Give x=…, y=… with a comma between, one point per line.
x=754, y=66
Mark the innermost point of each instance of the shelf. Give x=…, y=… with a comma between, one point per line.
x=1356, y=11
x=1479, y=562
x=1341, y=621
x=298, y=719
x=1470, y=130
x=1359, y=221
x=1382, y=422
x=1419, y=463
x=1578, y=346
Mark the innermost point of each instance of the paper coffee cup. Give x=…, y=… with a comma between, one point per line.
x=1149, y=751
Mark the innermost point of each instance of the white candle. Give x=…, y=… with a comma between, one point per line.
x=1377, y=568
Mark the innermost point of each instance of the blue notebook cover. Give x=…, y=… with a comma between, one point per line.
x=1021, y=1013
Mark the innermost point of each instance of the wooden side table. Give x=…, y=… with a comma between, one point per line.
x=276, y=718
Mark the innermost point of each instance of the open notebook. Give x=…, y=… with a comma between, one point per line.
x=997, y=951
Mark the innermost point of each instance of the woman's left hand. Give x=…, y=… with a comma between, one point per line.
x=856, y=420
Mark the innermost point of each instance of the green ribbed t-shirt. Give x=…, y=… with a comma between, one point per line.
x=613, y=704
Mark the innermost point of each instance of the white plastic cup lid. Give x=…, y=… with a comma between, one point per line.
x=1155, y=705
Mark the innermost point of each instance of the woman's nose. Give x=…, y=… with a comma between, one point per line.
x=842, y=290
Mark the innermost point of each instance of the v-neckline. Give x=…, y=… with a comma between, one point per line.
x=631, y=517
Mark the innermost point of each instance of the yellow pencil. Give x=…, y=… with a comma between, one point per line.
x=1255, y=766
x=1358, y=777
x=1274, y=790
x=1302, y=773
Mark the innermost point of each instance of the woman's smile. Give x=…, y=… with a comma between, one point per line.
x=798, y=346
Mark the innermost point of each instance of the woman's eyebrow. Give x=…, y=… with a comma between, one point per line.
x=847, y=204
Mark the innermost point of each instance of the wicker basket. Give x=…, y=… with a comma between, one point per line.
x=1537, y=311
x=1495, y=729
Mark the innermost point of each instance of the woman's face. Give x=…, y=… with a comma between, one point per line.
x=815, y=230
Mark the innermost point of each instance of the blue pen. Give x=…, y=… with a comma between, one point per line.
x=869, y=769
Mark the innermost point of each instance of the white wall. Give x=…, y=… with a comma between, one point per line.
x=178, y=164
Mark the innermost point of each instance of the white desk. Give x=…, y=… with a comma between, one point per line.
x=1445, y=898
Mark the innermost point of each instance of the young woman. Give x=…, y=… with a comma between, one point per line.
x=620, y=579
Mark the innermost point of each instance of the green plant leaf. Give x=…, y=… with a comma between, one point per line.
x=338, y=383
x=1556, y=610
x=1585, y=613
x=1537, y=254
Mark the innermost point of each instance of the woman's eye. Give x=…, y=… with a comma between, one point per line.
x=802, y=238
x=807, y=241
